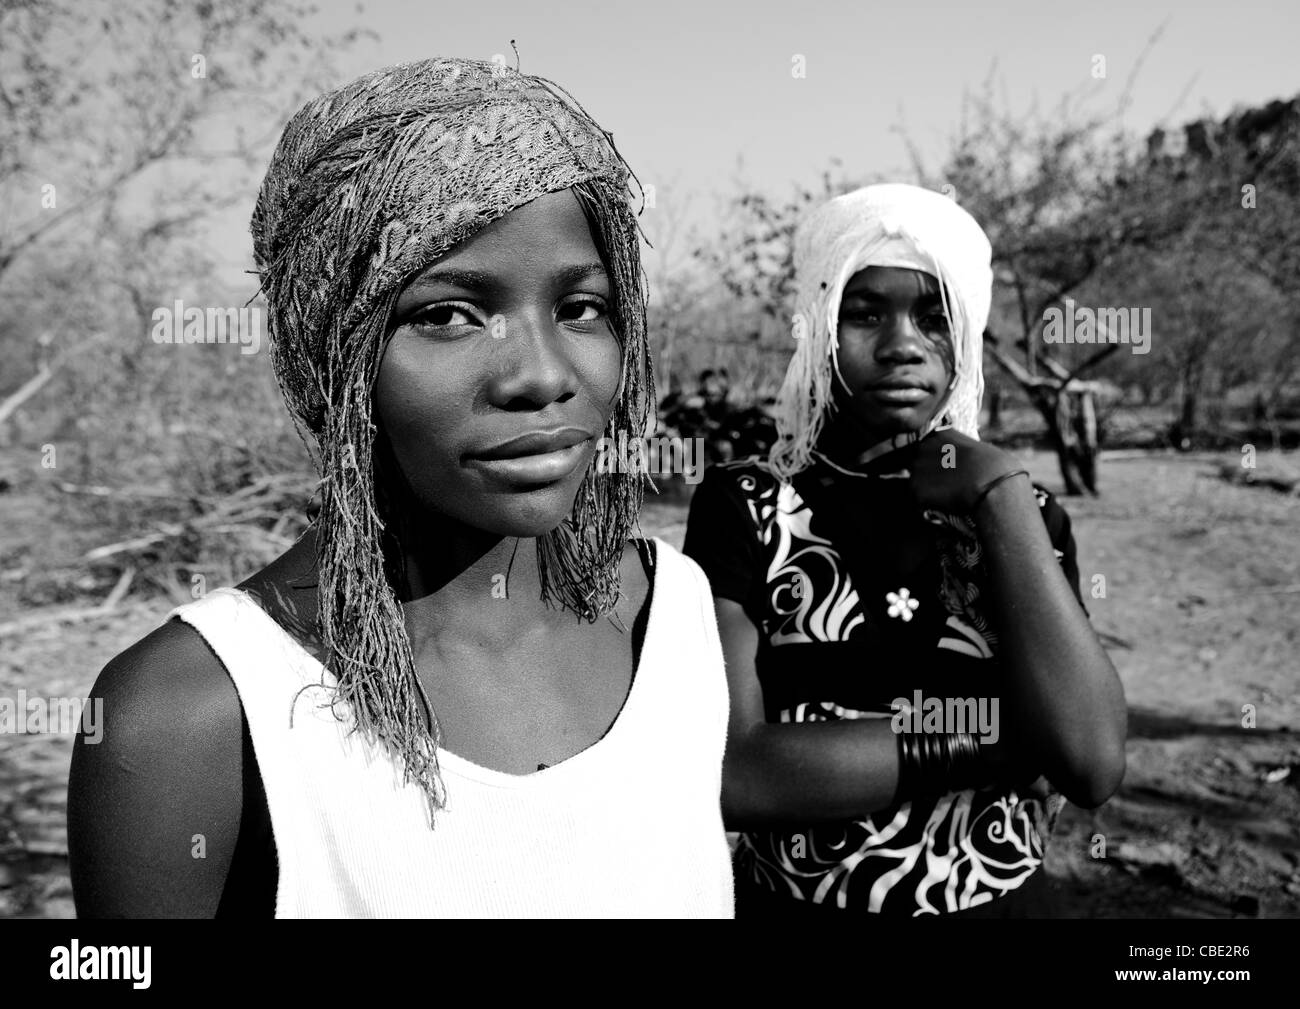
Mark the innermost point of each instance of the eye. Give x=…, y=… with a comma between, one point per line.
x=586, y=309
x=445, y=314
x=861, y=315
x=935, y=322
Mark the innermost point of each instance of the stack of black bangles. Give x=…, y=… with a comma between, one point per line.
x=935, y=763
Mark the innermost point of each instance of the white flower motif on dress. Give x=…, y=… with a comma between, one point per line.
x=901, y=604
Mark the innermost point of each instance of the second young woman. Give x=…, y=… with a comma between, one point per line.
x=914, y=682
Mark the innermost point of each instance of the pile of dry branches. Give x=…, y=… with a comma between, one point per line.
x=184, y=543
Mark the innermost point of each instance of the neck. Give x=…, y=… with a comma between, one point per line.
x=460, y=574
x=849, y=443
x=448, y=557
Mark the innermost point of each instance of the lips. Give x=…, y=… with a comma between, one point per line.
x=902, y=391
x=534, y=443
x=538, y=457
x=890, y=384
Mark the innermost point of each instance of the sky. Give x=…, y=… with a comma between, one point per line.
x=687, y=86
x=691, y=88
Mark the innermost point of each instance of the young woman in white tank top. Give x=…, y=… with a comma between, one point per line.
x=468, y=690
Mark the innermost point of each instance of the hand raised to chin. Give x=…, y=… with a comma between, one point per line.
x=951, y=472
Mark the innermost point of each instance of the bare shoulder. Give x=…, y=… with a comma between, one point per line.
x=173, y=670
x=165, y=771
x=160, y=678
x=163, y=768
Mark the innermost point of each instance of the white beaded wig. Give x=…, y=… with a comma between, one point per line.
x=889, y=225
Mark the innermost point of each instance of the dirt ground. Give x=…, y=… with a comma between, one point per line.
x=1202, y=582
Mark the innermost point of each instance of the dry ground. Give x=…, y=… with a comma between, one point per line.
x=1202, y=584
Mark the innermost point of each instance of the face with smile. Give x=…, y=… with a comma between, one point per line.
x=502, y=371
x=895, y=352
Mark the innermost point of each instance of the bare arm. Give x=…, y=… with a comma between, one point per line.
x=806, y=772
x=154, y=808
x=1067, y=705
x=1065, y=709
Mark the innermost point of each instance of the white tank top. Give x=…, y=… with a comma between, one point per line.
x=629, y=827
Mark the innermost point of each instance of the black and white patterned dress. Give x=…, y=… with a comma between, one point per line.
x=844, y=629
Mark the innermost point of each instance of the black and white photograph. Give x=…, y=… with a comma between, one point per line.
x=678, y=460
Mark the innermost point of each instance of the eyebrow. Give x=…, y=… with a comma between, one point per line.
x=573, y=274
x=871, y=294
x=477, y=280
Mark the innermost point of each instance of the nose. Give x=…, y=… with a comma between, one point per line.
x=534, y=369
x=900, y=342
